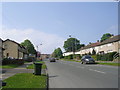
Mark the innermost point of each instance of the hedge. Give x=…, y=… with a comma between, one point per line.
x=104, y=57
x=30, y=59
x=76, y=56
x=7, y=61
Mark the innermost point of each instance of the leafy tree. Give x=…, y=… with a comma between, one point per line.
x=30, y=47
x=89, y=53
x=72, y=44
x=93, y=52
x=106, y=36
x=57, y=53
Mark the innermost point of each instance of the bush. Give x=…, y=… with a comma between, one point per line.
x=7, y=61
x=94, y=57
x=77, y=56
x=68, y=57
x=30, y=59
x=106, y=57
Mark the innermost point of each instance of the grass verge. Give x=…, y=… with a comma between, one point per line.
x=26, y=80
x=9, y=66
x=32, y=65
x=113, y=64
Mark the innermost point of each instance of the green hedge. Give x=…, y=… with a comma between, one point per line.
x=76, y=56
x=7, y=61
x=104, y=57
x=68, y=57
x=30, y=59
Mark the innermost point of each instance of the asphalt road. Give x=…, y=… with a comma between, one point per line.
x=66, y=74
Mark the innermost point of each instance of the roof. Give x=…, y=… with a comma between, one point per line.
x=91, y=45
x=15, y=43
x=110, y=40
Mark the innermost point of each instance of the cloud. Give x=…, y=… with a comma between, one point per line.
x=49, y=41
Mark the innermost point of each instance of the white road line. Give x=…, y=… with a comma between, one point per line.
x=97, y=71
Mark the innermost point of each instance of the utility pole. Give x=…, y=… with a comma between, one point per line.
x=37, y=46
x=73, y=47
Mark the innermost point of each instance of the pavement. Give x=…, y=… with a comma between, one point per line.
x=67, y=74
x=6, y=73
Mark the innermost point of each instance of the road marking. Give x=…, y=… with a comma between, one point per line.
x=97, y=71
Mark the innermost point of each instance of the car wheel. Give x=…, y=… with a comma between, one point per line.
x=81, y=62
x=84, y=63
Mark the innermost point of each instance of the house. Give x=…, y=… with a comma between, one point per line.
x=1, y=49
x=44, y=56
x=110, y=45
x=14, y=50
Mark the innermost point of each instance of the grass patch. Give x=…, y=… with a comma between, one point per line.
x=9, y=66
x=26, y=80
x=113, y=64
x=32, y=65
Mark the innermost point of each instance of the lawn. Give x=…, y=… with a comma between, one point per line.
x=113, y=64
x=26, y=80
x=9, y=66
x=32, y=65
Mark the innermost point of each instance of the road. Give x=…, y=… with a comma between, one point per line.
x=67, y=74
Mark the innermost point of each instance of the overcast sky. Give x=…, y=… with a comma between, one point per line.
x=51, y=23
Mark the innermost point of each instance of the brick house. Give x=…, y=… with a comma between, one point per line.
x=14, y=50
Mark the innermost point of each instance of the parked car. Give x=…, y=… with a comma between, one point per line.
x=87, y=59
x=52, y=60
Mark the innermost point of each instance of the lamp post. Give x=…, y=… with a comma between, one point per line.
x=37, y=46
x=73, y=47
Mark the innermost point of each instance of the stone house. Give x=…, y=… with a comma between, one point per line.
x=14, y=50
x=1, y=49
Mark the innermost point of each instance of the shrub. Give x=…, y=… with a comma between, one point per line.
x=94, y=57
x=30, y=59
x=68, y=57
x=7, y=61
x=77, y=56
x=106, y=57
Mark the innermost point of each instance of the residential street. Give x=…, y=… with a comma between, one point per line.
x=66, y=74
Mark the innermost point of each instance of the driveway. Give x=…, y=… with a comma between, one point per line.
x=6, y=73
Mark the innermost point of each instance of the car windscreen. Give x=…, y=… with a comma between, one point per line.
x=87, y=56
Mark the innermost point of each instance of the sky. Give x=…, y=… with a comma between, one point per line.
x=51, y=23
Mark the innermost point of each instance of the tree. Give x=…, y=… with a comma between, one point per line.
x=72, y=45
x=106, y=36
x=57, y=53
x=93, y=52
x=29, y=46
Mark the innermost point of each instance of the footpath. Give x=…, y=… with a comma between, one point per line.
x=6, y=73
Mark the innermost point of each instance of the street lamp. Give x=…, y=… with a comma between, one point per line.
x=73, y=48
x=37, y=46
